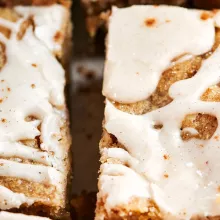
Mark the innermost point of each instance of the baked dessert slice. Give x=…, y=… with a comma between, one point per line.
x=160, y=146
x=15, y=216
x=98, y=11
x=34, y=124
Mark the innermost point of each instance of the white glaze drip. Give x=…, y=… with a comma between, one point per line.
x=18, y=150
x=182, y=176
x=33, y=173
x=9, y=199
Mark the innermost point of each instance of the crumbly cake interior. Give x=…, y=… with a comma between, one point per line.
x=200, y=126
x=43, y=189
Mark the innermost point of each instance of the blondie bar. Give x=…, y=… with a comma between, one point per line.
x=34, y=124
x=160, y=147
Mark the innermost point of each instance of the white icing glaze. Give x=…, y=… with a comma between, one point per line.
x=8, y=149
x=182, y=177
x=39, y=173
x=9, y=199
x=48, y=21
x=118, y=177
x=136, y=56
x=32, y=84
x=16, y=216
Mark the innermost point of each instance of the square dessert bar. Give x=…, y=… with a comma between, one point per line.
x=98, y=11
x=34, y=124
x=160, y=150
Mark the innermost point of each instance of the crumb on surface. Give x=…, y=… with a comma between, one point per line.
x=33, y=86
x=3, y=120
x=206, y=15
x=150, y=22
x=58, y=36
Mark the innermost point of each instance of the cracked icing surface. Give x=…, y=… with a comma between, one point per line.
x=32, y=105
x=157, y=161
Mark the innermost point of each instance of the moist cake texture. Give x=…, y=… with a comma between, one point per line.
x=160, y=146
x=34, y=133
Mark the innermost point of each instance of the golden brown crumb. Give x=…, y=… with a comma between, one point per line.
x=27, y=23
x=5, y=31
x=166, y=157
x=206, y=15
x=166, y=175
x=3, y=58
x=205, y=125
x=150, y=22
x=33, y=86
x=58, y=36
x=216, y=137
x=215, y=11
x=3, y=120
x=158, y=126
x=34, y=64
